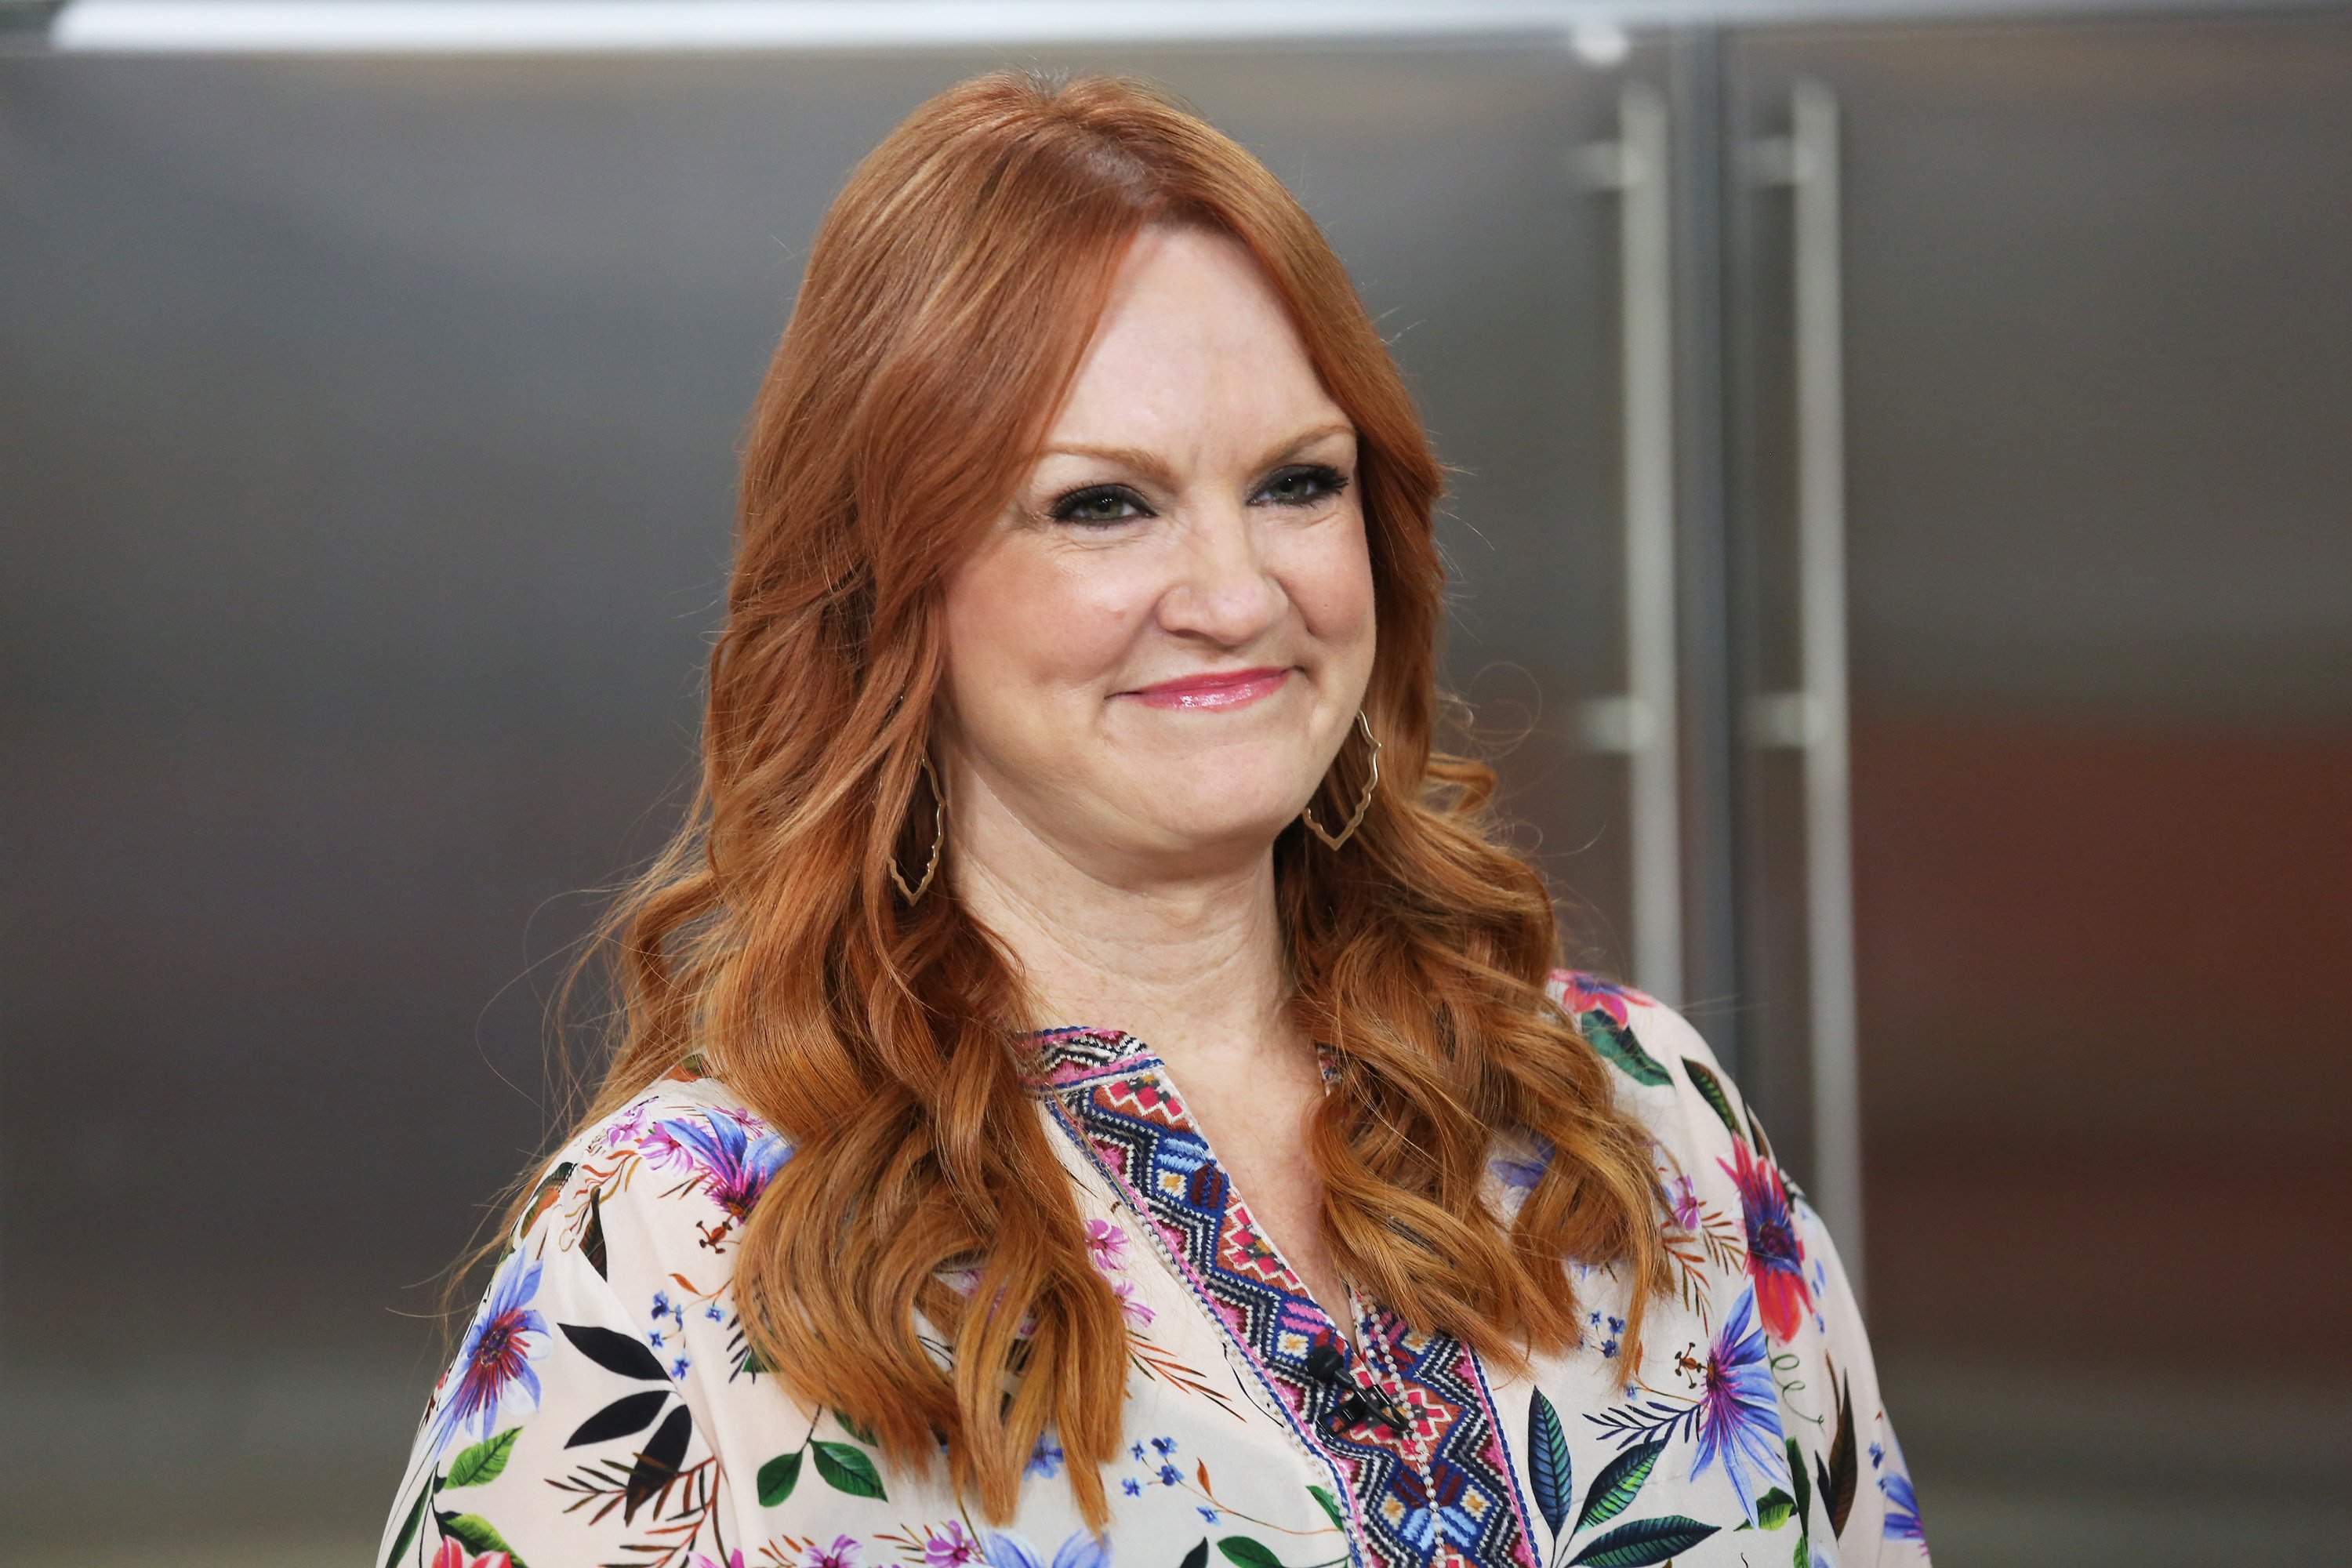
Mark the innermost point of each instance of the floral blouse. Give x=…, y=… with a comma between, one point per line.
x=605, y=1408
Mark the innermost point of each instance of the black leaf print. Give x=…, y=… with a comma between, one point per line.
x=657, y=1467
x=1837, y=1478
x=624, y=1353
x=591, y=1241
x=632, y=1413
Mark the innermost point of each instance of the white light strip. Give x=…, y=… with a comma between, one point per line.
x=550, y=27
x=379, y=27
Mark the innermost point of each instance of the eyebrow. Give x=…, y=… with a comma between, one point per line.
x=1149, y=463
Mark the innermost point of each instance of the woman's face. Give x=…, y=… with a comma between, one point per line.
x=1156, y=653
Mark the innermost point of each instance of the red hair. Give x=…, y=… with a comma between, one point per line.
x=949, y=297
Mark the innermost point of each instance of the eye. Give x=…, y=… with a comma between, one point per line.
x=1303, y=484
x=1099, y=504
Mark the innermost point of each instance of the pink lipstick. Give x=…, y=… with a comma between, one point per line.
x=1223, y=689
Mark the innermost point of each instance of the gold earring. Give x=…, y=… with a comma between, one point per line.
x=938, y=838
x=1363, y=805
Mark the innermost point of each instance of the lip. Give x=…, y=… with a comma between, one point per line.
x=1219, y=691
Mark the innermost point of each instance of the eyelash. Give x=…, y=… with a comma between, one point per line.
x=1328, y=481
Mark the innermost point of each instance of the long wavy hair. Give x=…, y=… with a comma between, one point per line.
x=949, y=297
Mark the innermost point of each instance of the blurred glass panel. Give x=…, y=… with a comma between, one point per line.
x=366, y=437
x=2098, y=322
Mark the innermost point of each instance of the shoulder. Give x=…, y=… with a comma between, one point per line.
x=606, y=1354
x=1667, y=1078
x=677, y=1167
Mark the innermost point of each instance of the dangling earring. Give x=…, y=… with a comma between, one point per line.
x=938, y=838
x=1363, y=805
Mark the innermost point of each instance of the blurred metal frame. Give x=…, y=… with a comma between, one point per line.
x=341, y=27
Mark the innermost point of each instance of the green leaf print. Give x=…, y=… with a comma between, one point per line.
x=408, y=1528
x=862, y=1434
x=1199, y=1556
x=482, y=1462
x=1547, y=1467
x=1643, y=1543
x=778, y=1477
x=847, y=1469
x=1330, y=1506
x=1616, y=1042
x=1244, y=1552
x=1772, y=1510
x=1614, y=1488
x=1710, y=1088
x=1803, y=1557
x=476, y=1534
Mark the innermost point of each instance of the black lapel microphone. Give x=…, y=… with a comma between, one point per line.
x=1328, y=1366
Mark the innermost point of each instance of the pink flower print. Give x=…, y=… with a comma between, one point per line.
x=1776, y=1255
x=627, y=1126
x=453, y=1555
x=1137, y=1311
x=734, y=1560
x=843, y=1554
x=1683, y=1200
x=1590, y=993
x=951, y=1548
x=1107, y=1245
x=657, y=1146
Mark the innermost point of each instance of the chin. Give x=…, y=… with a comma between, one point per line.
x=1236, y=825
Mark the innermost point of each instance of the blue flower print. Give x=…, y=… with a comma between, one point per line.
x=1045, y=1459
x=506, y=1334
x=1902, y=1508
x=734, y=1168
x=1004, y=1549
x=1739, y=1413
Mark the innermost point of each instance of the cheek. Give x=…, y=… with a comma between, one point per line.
x=1329, y=578
x=1024, y=618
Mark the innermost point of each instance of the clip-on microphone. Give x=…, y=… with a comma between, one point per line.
x=1328, y=1364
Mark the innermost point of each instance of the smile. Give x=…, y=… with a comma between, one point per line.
x=1225, y=689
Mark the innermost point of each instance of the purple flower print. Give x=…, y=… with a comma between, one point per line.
x=843, y=1554
x=1738, y=1414
x=1106, y=1245
x=496, y=1357
x=951, y=1548
x=1682, y=1200
x=1137, y=1312
x=734, y=1169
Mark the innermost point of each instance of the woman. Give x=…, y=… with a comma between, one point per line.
x=1076, y=692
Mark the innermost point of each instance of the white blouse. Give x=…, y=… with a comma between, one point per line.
x=604, y=1407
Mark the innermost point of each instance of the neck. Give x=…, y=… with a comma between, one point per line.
x=1191, y=964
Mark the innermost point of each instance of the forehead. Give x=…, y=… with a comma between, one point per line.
x=1194, y=346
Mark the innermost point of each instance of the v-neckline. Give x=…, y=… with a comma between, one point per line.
x=1075, y=1056
x=1406, y=1424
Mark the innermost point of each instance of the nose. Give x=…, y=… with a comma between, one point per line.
x=1225, y=593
